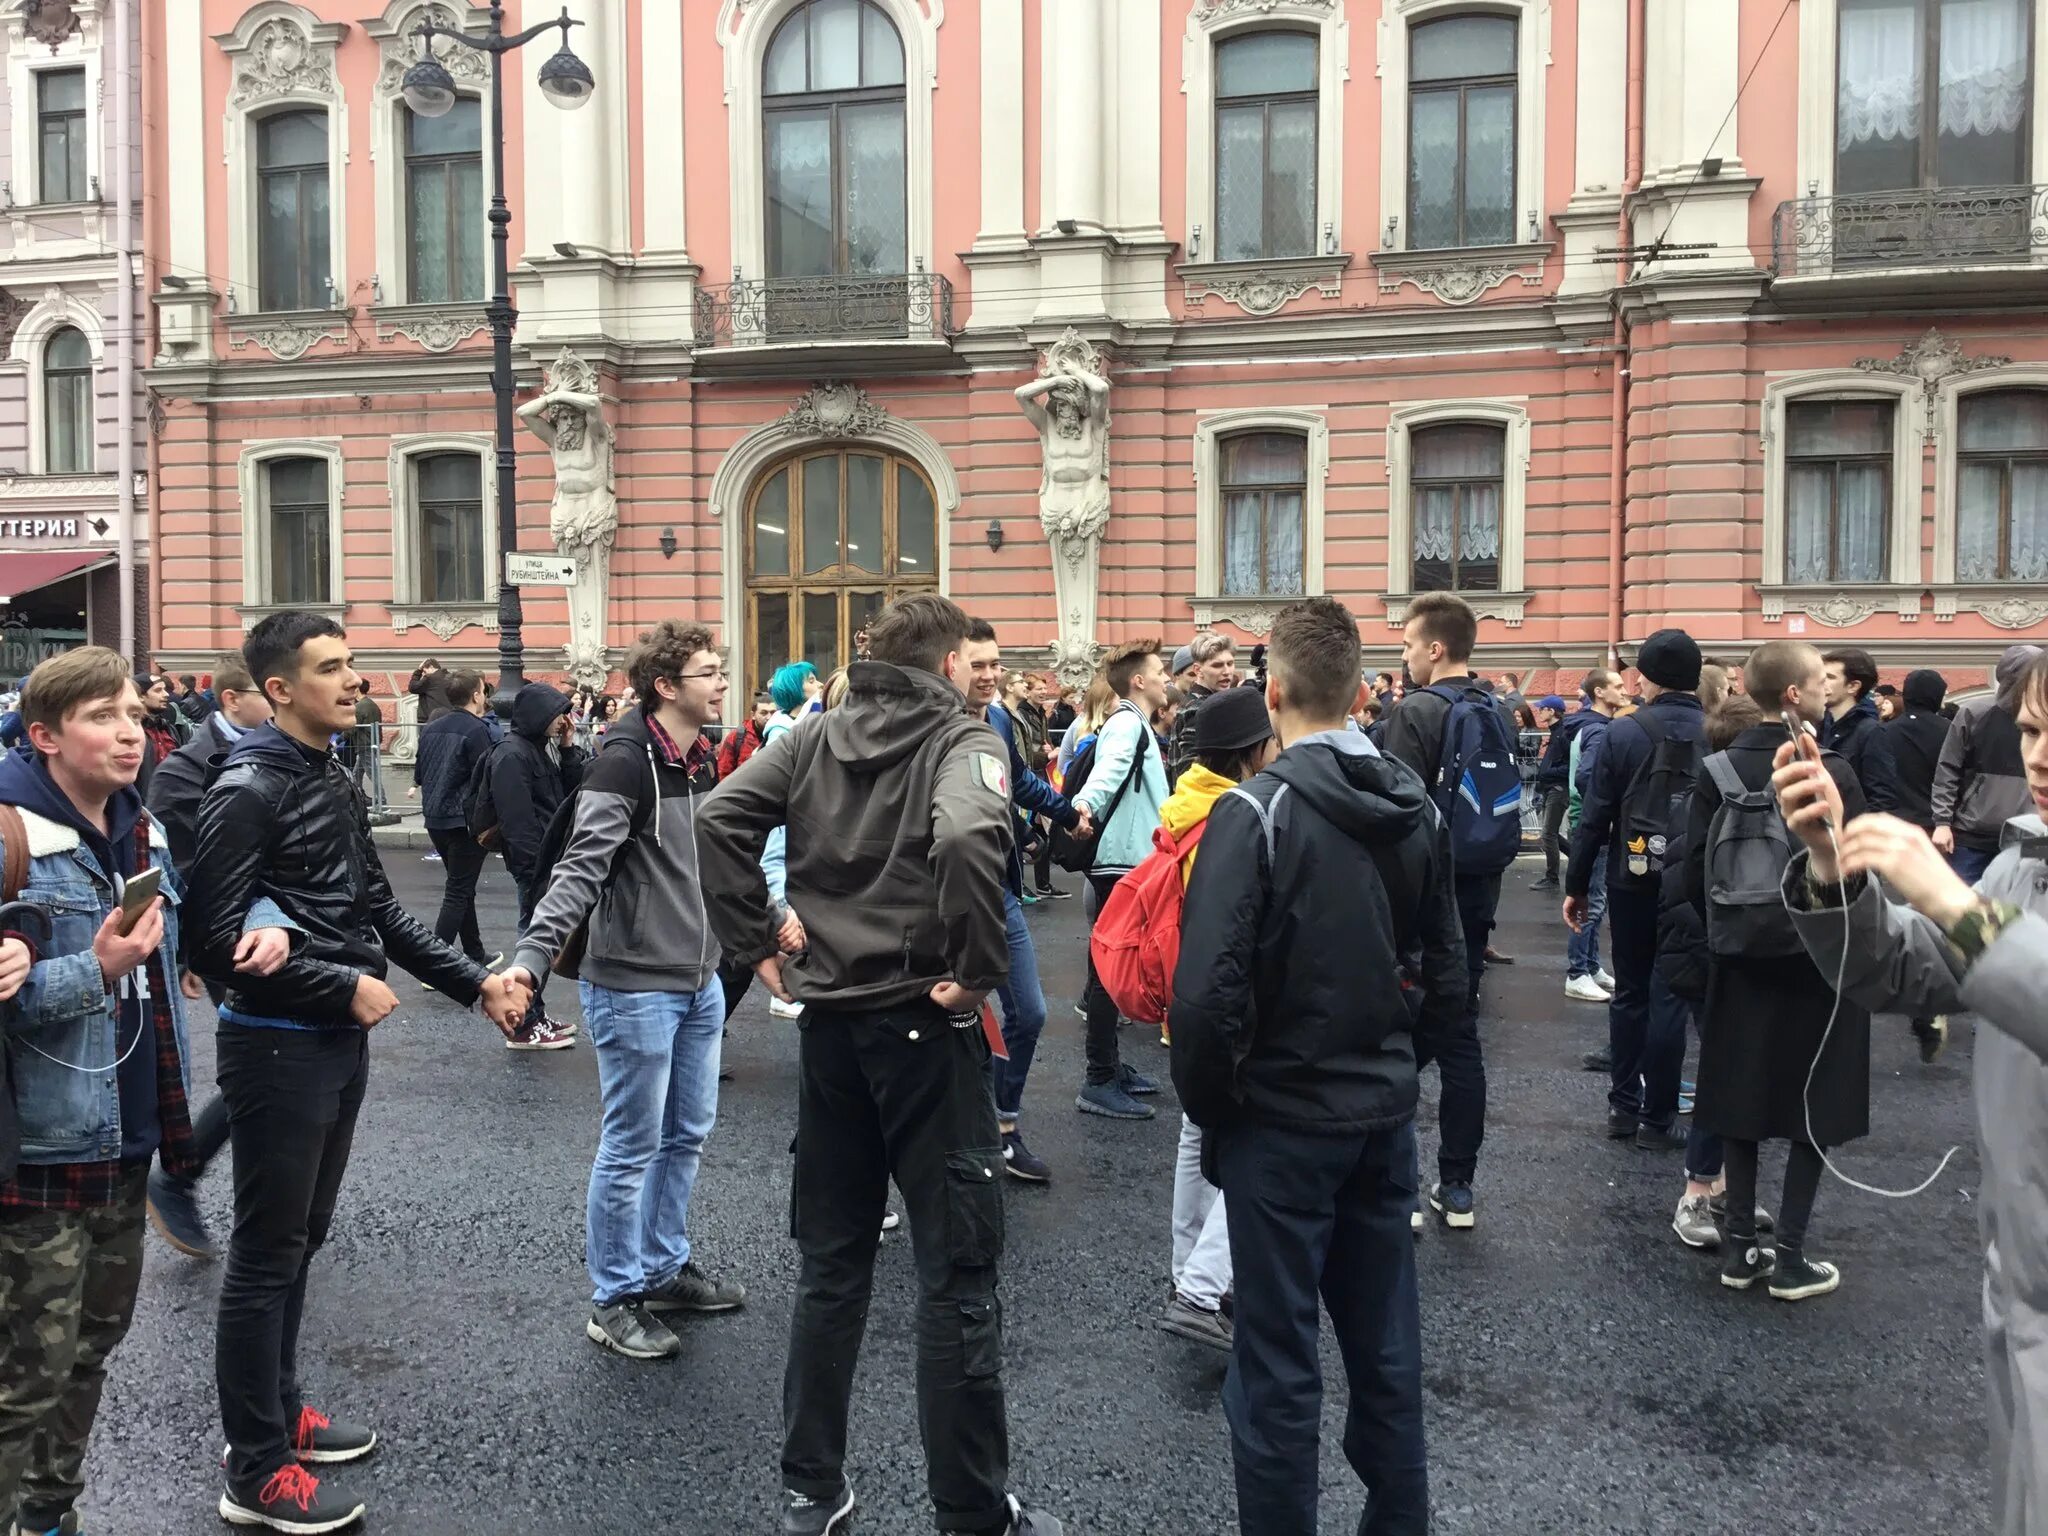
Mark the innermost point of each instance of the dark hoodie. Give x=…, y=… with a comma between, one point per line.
x=527, y=781
x=898, y=805
x=25, y=783
x=1315, y=876
x=1916, y=735
x=1861, y=738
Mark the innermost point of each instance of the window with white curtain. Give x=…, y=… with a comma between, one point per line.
x=1265, y=487
x=2002, y=486
x=1969, y=130
x=444, y=201
x=1455, y=480
x=67, y=403
x=1838, y=489
x=1461, y=132
x=1266, y=111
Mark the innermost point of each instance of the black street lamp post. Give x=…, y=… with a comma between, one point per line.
x=430, y=91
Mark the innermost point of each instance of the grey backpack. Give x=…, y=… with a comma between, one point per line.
x=1748, y=850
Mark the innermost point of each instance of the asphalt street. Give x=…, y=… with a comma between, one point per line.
x=1584, y=1372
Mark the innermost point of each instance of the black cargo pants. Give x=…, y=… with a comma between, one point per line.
x=899, y=1092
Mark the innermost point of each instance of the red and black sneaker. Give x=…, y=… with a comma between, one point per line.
x=318, y=1438
x=290, y=1499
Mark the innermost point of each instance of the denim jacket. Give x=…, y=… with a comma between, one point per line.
x=64, y=1009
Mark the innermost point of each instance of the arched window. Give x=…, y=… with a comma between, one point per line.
x=2002, y=485
x=1265, y=488
x=444, y=200
x=67, y=404
x=1456, y=477
x=292, y=250
x=833, y=143
x=1265, y=146
x=1461, y=132
x=831, y=538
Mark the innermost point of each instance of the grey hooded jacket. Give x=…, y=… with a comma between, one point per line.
x=1899, y=962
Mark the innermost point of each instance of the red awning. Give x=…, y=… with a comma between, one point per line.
x=26, y=570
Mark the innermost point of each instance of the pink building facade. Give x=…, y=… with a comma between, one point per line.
x=1357, y=270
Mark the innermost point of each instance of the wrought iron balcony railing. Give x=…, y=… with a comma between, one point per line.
x=914, y=306
x=1918, y=227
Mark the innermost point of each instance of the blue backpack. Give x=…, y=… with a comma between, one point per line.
x=1478, y=785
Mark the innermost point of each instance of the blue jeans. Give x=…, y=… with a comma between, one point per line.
x=1023, y=1003
x=1970, y=863
x=1582, y=949
x=657, y=1070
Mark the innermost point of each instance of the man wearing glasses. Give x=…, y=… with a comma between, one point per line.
x=624, y=898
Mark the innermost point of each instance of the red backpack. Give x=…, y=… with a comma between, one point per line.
x=1136, y=942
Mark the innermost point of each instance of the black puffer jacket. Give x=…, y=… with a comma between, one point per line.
x=526, y=783
x=1287, y=1005
x=449, y=750
x=281, y=819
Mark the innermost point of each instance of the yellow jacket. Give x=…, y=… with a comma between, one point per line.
x=1189, y=806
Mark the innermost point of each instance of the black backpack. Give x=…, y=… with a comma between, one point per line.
x=556, y=838
x=479, y=808
x=1651, y=818
x=1076, y=855
x=1748, y=852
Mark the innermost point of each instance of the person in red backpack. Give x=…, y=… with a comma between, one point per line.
x=1233, y=740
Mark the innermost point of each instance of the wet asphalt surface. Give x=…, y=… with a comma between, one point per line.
x=1584, y=1372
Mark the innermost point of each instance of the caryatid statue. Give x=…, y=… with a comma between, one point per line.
x=1069, y=405
x=568, y=415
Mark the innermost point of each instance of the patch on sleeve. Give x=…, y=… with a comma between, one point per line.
x=992, y=774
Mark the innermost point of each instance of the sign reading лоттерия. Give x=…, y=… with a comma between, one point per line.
x=539, y=571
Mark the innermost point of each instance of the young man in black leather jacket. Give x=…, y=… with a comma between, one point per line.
x=282, y=821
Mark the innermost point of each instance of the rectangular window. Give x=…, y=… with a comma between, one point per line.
x=2002, y=486
x=448, y=497
x=295, y=497
x=292, y=251
x=444, y=201
x=1838, y=489
x=1461, y=132
x=1265, y=488
x=60, y=128
x=1266, y=146
x=1457, y=482
x=1931, y=93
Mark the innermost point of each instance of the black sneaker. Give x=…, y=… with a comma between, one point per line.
x=1651, y=1138
x=290, y=1499
x=1132, y=1081
x=1620, y=1127
x=1766, y=1223
x=803, y=1515
x=694, y=1291
x=317, y=1438
x=1454, y=1206
x=1797, y=1278
x=65, y=1524
x=1544, y=883
x=1932, y=1035
x=1020, y=1163
x=1601, y=1060
x=1025, y=1522
x=1052, y=893
x=629, y=1329
x=175, y=1214
x=1743, y=1262
x=1188, y=1321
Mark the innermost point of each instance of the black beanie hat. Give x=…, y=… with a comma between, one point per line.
x=1671, y=659
x=1232, y=720
x=1924, y=688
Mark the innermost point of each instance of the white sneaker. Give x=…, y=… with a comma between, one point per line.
x=1606, y=981
x=1584, y=989
x=781, y=1010
x=891, y=1220
x=1416, y=1221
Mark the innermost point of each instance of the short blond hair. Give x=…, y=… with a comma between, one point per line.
x=75, y=677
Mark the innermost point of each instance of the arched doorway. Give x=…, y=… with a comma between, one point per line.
x=831, y=537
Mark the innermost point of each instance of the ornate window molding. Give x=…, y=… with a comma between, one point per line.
x=2009, y=605
x=397, y=49
x=280, y=55
x=253, y=487
x=1508, y=412
x=1819, y=28
x=407, y=606
x=27, y=57
x=1532, y=63
x=753, y=454
x=1261, y=287
x=1834, y=604
x=57, y=310
x=744, y=29
x=1462, y=276
x=1254, y=614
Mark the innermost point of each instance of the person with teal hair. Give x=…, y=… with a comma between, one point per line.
x=786, y=687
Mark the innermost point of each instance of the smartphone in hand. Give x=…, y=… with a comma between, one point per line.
x=136, y=895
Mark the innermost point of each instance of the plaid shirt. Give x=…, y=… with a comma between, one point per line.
x=665, y=744
x=90, y=1186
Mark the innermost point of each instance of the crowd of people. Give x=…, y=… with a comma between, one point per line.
x=1774, y=858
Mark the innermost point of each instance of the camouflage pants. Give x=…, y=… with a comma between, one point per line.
x=67, y=1294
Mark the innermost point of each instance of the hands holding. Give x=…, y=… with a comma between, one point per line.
x=770, y=972
x=15, y=964
x=791, y=935
x=505, y=998
x=1084, y=825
